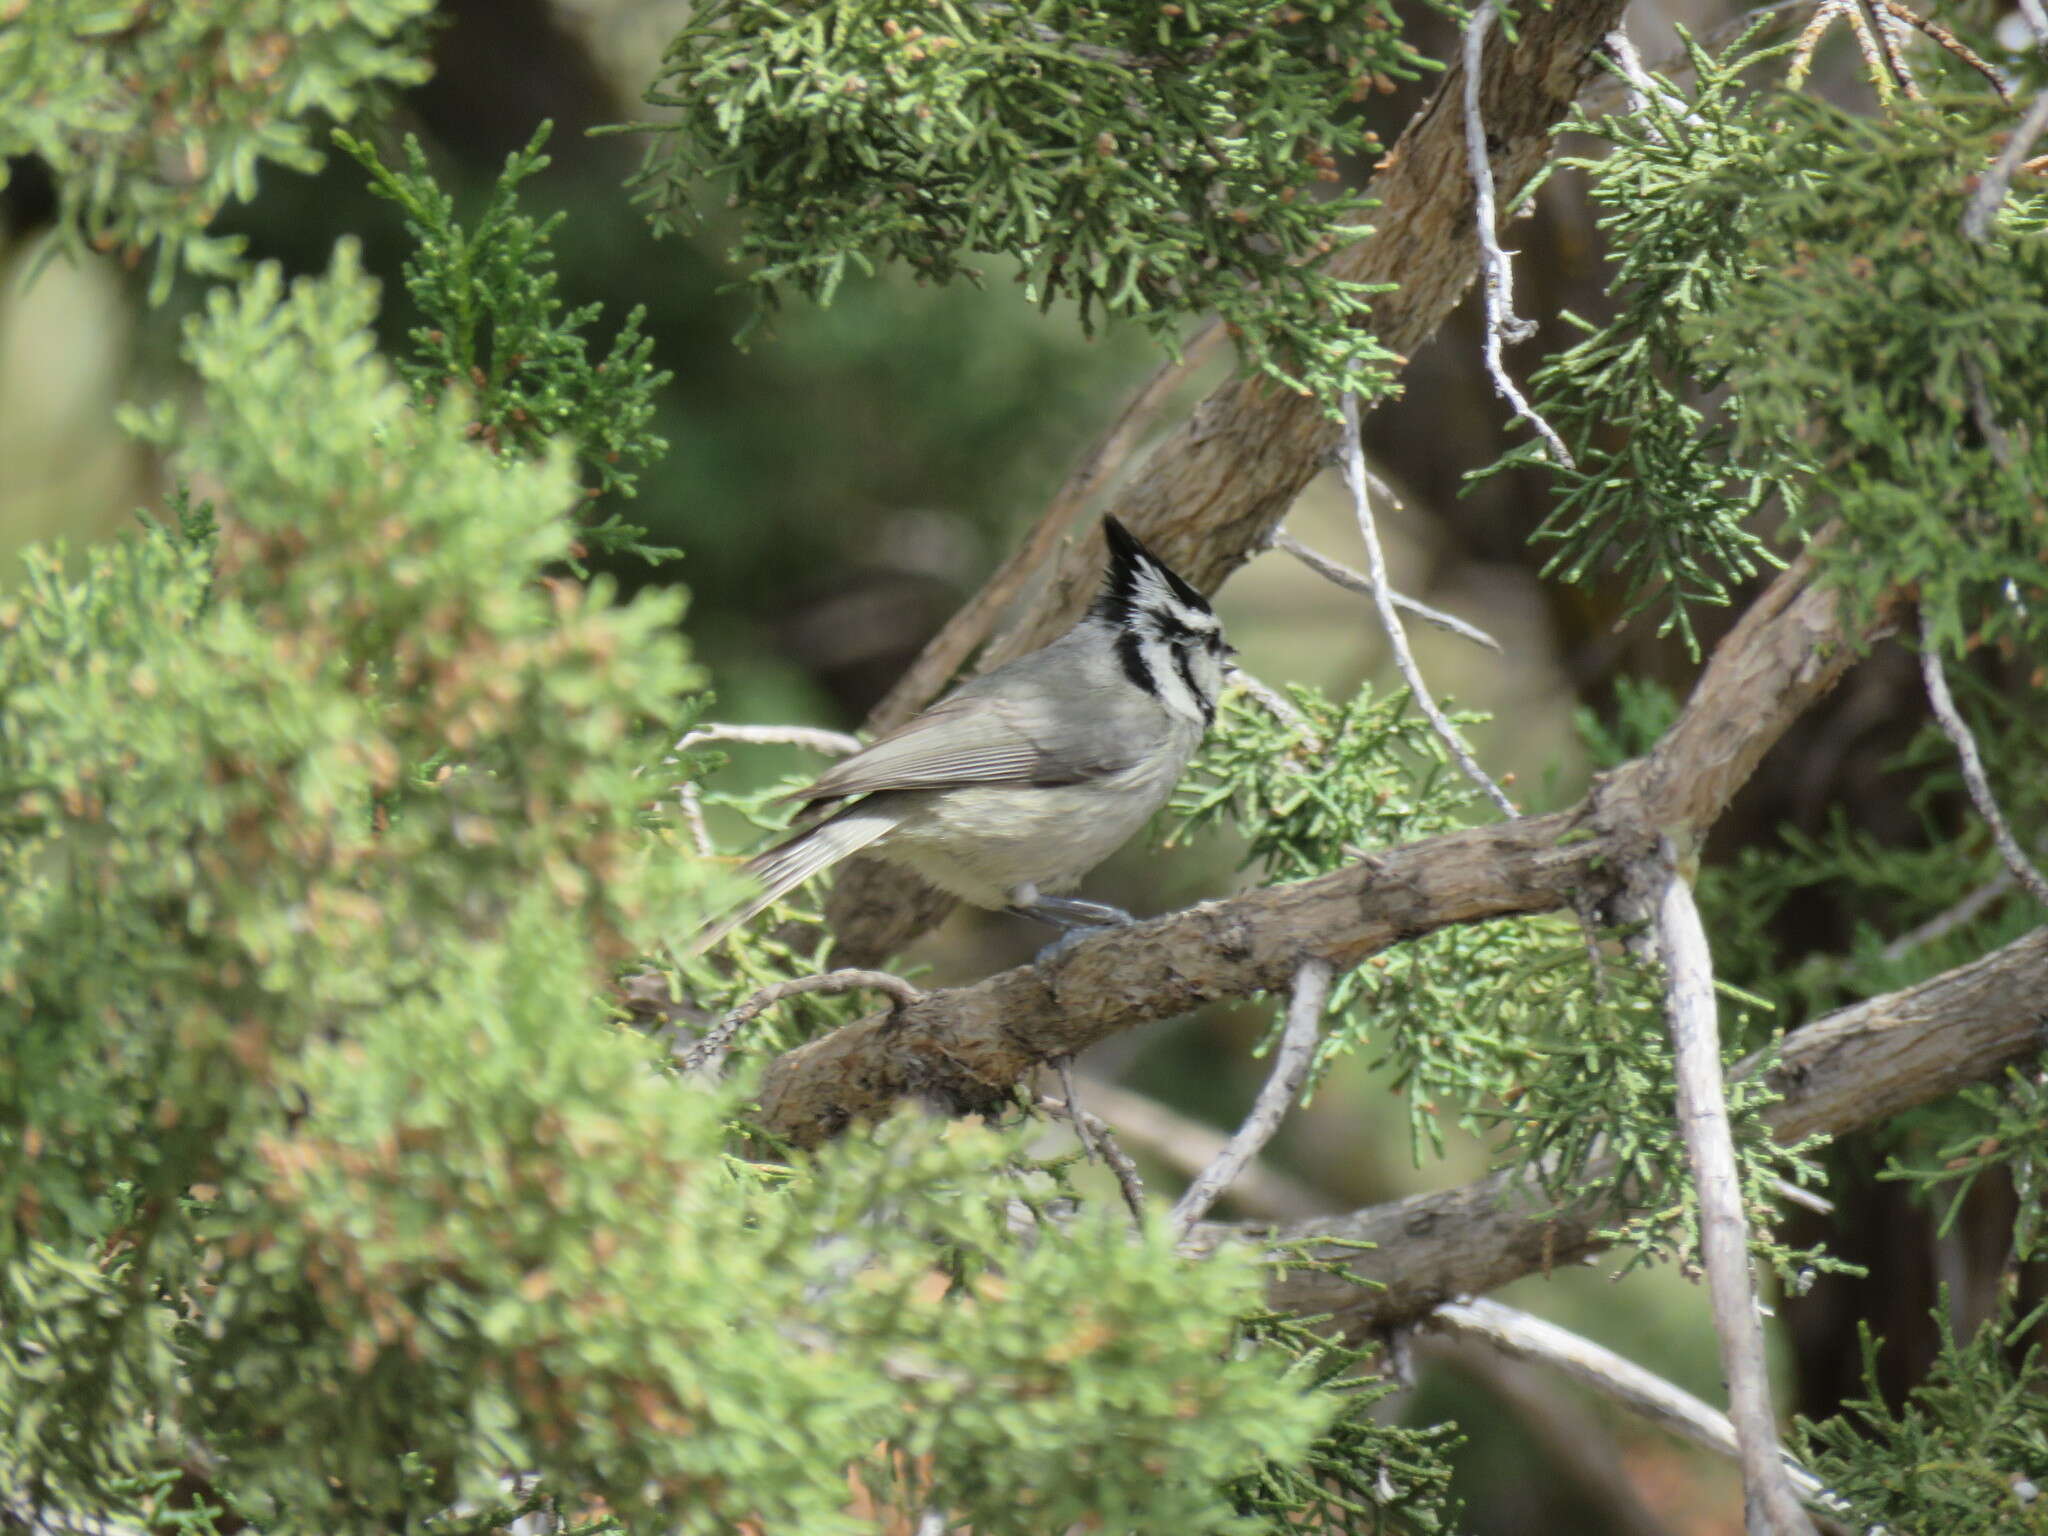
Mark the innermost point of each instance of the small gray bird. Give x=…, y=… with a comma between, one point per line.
x=1018, y=783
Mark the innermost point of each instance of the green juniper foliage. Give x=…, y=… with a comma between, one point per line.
x=1147, y=161
x=2003, y=1125
x=154, y=116
x=1667, y=505
x=1359, y=1476
x=496, y=333
x=1804, y=326
x=1968, y=1453
x=337, y=1195
x=352, y=1184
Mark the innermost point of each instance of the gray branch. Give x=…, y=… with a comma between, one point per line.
x=1352, y=581
x=1958, y=732
x=1353, y=464
x=1290, y=1070
x=1771, y=1507
x=1520, y=1336
x=1503, y=328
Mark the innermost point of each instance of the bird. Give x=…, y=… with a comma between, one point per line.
x=1011, y=788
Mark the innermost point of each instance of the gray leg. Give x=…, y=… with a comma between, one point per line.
x=1069, y=912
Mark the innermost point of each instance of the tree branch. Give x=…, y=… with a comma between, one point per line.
x=1283, y=1085
x=1852, y=1068
x=1520, y=1336
x=968, y=1045
x=1771, y=1507
x=1352, y=460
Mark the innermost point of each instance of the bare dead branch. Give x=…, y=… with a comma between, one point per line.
x=1283, y=1085
x=837, y=743
x=1082, y=1133
x=1944, y=923
x=1352, y=462
x=1352, y=581
x=691, y=799
x=1971, y=761
x=1522, y=1336
x=1996, y=182
x=1099, y=1141
x=1610, y=92
x=1275, y=703
x=1772, y=1507
x=1573, y=1439
x=1497, y=273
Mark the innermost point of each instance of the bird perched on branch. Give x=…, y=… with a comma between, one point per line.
x=1015, y=785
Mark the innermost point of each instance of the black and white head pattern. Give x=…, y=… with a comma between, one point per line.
x=1168, y=639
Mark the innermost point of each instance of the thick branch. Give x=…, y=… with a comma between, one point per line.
x=1852, y=1068
x=968, y=1045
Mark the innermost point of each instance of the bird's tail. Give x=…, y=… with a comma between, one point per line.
x=793, y=861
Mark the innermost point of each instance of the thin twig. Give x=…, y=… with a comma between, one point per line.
x=1799, y=1194
x=1640, y=86
x=1579, y=1442
x=1873, y=55
x=1065, y=1067
x=1949, y=41
x=1520, y=1336
x=1093, y=1130
x=1353, y=462
x=947, y=651
x=1943, y=924
x=1352, y=581
x=707, y=1055
x=1290, y=1071
x=1808, y=41
x=1502, y=327
x=836, y=743
x=1994, y=183
x=1188, y=1145
x=691, y=799
x=1605, y=92
x=1770, y=1504
x=1958, y=732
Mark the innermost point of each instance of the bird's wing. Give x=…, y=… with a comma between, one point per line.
x=969, y=739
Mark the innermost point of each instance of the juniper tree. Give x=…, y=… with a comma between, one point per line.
x=372, y=1161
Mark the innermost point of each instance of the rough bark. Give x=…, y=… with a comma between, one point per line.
x=1210, y=496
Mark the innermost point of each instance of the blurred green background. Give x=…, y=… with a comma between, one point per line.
x=840, y=486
